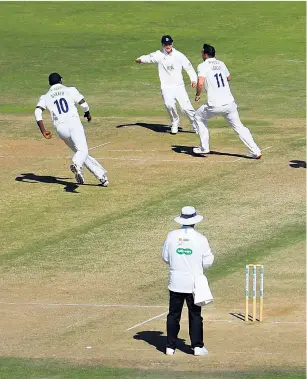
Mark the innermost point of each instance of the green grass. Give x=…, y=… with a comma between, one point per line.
x=12, y=368
x=253, y=210
x=263, y=45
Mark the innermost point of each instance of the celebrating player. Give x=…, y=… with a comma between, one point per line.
x=170, y=63
x=60, y=101
x=214, y=76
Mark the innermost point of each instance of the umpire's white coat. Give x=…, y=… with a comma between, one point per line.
x=186, y=242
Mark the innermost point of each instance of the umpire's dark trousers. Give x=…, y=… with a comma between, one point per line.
x=173, y=319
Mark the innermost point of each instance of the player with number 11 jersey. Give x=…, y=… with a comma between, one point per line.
x=213, y=76
x=216, y=84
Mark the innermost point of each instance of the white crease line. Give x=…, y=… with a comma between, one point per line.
x=134, y=306
x=267, y=148
x=139, y=151
x=86, y=305
x=239, y=159
x=103, y=144
x=287, y=322
x=145, y=160
x=145, y=322
x=256, y=323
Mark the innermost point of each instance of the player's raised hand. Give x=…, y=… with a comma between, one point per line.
x=193, y=84
x=47, y=134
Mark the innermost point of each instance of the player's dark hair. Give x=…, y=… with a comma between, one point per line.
x=54, y=78
x=210, y=50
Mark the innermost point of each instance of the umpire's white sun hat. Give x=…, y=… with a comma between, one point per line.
x=188, y=216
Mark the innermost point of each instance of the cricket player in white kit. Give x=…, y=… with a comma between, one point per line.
x=214, y=76
x=60, y=101
x=170, y=64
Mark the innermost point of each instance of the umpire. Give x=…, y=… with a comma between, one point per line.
x=186, y=251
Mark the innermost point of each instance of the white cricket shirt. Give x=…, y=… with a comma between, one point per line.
x=170, y=67
x=216, y=84
x=186, y=242
x=60, y=101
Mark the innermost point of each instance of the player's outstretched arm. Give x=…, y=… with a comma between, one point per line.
x=150, y=58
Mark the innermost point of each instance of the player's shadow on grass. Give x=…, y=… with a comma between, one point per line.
x=158, y=128
x=189, y=150
x=297, y=164
x=158, y=340
x=32, y=178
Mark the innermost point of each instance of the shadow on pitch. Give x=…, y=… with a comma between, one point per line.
x=158, y=128
x=32, y=178
x=241, y=316
x=297, y=164
x=189, y=150
x=158, y=340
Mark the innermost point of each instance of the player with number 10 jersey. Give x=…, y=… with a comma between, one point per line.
x=61, y=102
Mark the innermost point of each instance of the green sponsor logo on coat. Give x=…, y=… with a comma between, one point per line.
x=181, y=251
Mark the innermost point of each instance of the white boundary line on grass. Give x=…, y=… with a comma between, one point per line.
x=145, y=322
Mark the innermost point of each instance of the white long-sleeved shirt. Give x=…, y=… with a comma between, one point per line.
x=60, y=101
x=170, y=67
x=216, y=73
x=186, y=242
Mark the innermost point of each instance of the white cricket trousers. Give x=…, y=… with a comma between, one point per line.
x=231, y=115
x=179, y=93
x=72, y=133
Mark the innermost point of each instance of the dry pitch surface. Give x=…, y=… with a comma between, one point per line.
x=55, y=303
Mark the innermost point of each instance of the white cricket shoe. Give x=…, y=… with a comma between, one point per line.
x=174, y=129
x=104, y=181
x=169, y=351
x=200, y=351
x=78, y=173
x=199, y=150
